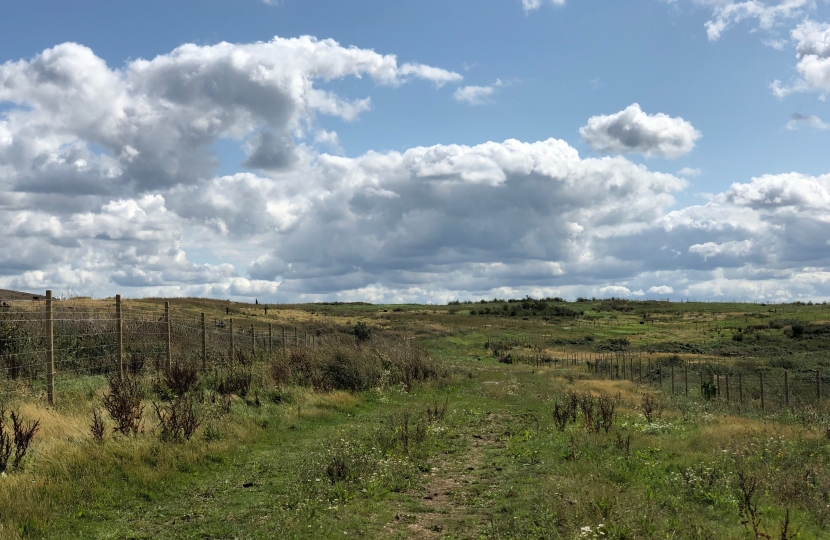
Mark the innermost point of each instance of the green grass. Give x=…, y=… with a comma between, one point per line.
x=306, y=464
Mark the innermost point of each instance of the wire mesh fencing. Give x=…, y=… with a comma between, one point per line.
x=49, y=344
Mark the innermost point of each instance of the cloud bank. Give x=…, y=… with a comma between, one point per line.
x=108, y=184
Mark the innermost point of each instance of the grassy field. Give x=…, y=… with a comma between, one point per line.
x=450, y=422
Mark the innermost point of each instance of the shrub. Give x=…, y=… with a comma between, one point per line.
x=281, y=371
x=650, y=407
x=178, y=421
x=345, y=370
x=709, y=390
x=14, y=446
x=181, y=378
x=362, y=332
x=124, y=403
x=236, y=381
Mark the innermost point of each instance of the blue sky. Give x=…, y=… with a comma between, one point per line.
x=548, y=68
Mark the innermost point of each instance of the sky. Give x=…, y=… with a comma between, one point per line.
x=319, y=150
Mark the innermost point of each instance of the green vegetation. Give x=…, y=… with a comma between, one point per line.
x=408, y=422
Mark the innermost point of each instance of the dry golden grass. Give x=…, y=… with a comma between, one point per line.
x=625, y=389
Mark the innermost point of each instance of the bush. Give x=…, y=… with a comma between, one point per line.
x=181, y=378
x=281, y=371
x=362, y=332
x=124, y=403
x=14, y=446
x=236, y=381
x=178, y=421
x=338, y=363
x=345, y=370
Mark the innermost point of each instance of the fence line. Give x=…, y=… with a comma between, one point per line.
x=45, y=341
x=769, y=389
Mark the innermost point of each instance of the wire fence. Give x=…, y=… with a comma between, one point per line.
x=48, y=344
x=768, y=389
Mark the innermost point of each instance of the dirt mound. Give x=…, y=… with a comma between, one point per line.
x=6, y=294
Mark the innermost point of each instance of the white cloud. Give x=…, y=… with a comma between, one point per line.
x=531, y=5
x=661, y=289
x=632, y=130
x=768, y=14
x=689, y=171
x=799, y=120
x=147, y=215
x=813, y=53
x=474, y=95
x=171, y=110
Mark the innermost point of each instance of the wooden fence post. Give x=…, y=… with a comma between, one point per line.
x=204, y=343
x=283, y=339
x=761, y=376
x=727, y=387
x=50, y=349
x=296, y=337
x=253, y=340
x=167, y=330
x=686, y=376
x=232, y=349
x=672, y=379
x=119, y=336
x=270, y=339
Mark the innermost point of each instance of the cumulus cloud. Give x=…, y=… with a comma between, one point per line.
x=107, y=185
x=158, y=119
x=474, y=95
x=86, y=151
x=799, y=120
x=660, y=289
x=813, y=53
x=632, y=130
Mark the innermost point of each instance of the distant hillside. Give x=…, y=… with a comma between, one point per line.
x=6, y=294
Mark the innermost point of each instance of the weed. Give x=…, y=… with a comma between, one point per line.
x=607, y=406
x=281, y=371
x=182, y=377
x=236, y=381
x=436, y=412
x=14, y=446
x=178, y=421
x=786, y=534
x=124, y=403
x=623, y=443
x=748, y=504
x=97, y=428
x=6, y=444
x=650, y=407
x=561, y=414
